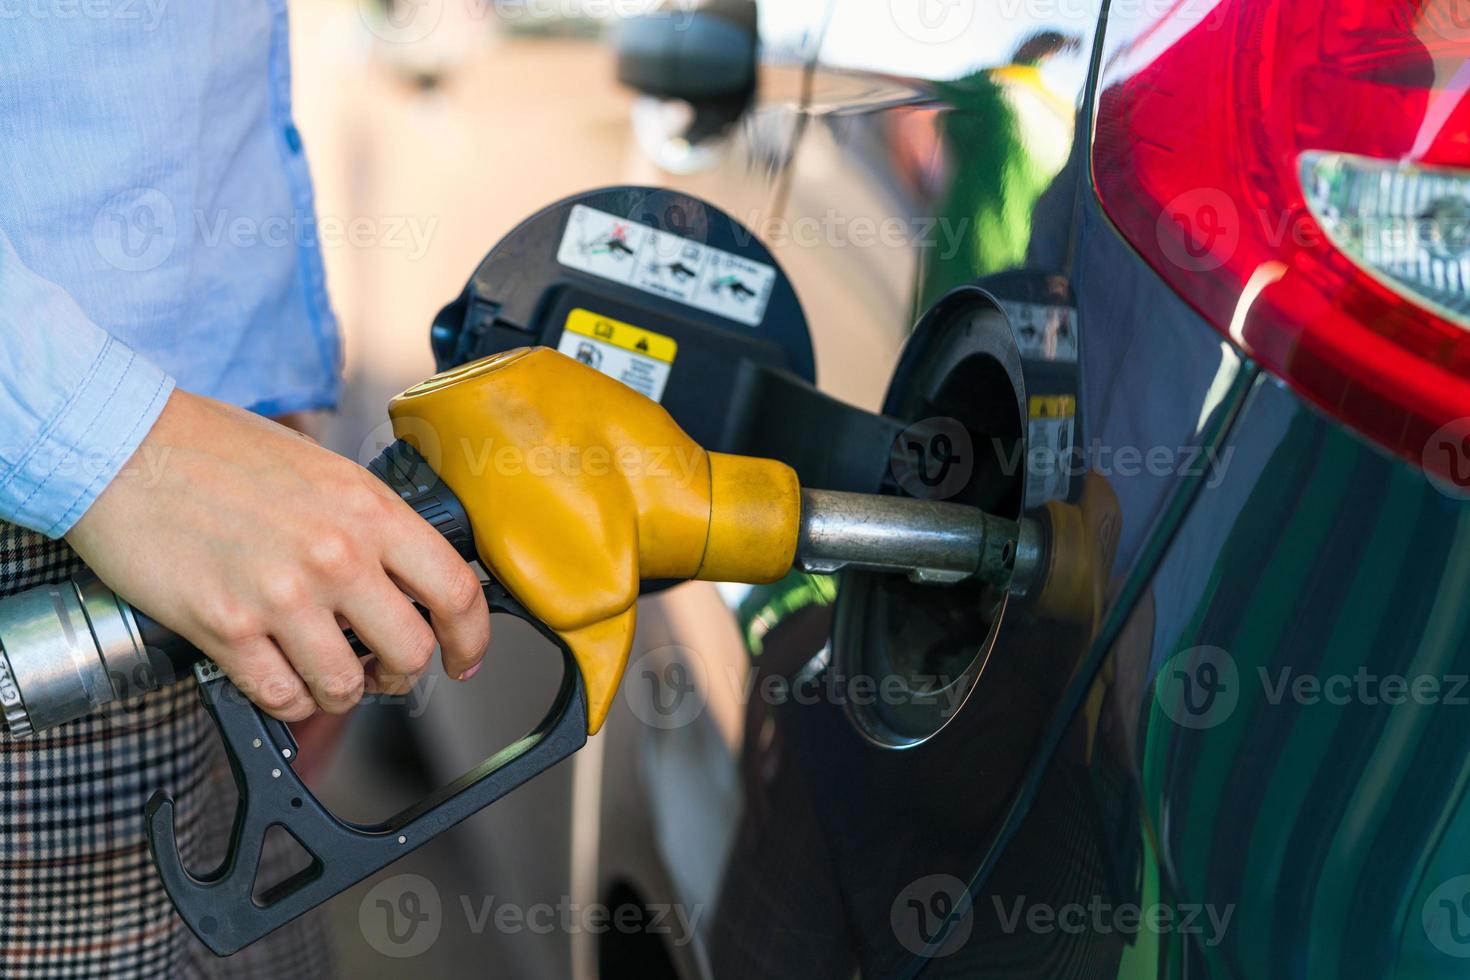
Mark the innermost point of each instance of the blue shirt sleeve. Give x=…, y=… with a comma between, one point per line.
x=75, y=402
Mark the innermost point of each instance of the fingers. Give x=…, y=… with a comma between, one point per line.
x=262, y=673
x=317, y=649
x=388, y=624
x=433, y=571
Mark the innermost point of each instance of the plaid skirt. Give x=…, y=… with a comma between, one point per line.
x=78, y=893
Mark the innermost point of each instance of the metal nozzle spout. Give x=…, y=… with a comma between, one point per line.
x=929, y=541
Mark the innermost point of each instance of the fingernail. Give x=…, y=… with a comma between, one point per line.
x=469, y=674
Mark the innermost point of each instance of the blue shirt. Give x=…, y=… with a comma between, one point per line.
x=157, y=227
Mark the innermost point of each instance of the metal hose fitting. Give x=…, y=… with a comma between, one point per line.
x=68, y=649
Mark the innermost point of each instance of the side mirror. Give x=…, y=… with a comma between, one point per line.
x=706, y=56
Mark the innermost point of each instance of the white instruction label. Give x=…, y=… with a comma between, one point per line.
x=1050, y=429
x=639, y=358
x=666, y=265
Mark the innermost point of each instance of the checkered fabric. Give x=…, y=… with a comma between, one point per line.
x=78, y=894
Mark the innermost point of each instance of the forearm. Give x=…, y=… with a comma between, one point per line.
x=75, y=403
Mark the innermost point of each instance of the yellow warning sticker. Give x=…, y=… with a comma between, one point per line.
x=639, y=358
x=1050, y=432
x=624, y=335
x=1053, y=406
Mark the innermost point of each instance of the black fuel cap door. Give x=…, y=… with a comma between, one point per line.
x=658, y=289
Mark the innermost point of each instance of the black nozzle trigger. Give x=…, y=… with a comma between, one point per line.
x=220, y=906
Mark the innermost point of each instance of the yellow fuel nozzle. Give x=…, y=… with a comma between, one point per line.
x=577, y=488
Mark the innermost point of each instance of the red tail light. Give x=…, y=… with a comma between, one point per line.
x=1300, y=173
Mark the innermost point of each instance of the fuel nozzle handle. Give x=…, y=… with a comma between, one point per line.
x=68, y=649
x=571, y=542
x=406, y=473
x=409, y=475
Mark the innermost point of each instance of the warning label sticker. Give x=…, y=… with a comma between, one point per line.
x=640, y=359
x=1049, y=434
x=666, y=265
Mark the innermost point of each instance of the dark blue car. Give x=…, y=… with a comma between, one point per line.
x=1186, y=284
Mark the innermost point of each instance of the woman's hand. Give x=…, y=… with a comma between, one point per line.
x=257, y=545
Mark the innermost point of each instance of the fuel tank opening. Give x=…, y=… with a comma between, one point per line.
x=919, y=646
